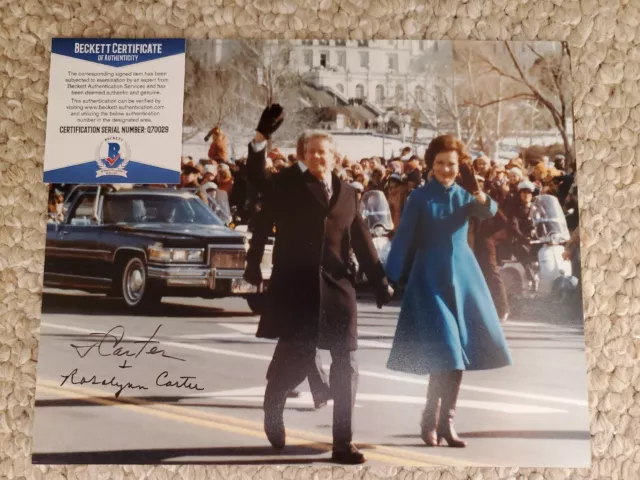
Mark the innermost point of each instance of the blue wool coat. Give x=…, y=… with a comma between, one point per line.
x=448, y=320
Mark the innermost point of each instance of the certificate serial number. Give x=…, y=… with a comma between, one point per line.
x=136, y=129
x=115, y=129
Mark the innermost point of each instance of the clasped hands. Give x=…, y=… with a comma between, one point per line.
x=384, y=295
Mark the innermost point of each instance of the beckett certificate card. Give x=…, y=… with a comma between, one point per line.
x=115, y=111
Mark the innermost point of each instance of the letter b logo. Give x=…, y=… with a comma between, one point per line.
x=114, y=149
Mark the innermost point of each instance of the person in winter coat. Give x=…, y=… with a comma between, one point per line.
x=376, y=181
x=56, y=210
x=311, y=299
x=482, y=166
x=209, y=173
x=225, y=178
x=521, y=230
x=240, y=193
x=491, y=232
x=448, y=322
x=218, y=150
x=397, y=194
x=512, y=199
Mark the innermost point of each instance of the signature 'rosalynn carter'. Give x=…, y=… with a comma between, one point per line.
x=162, y=380
x=448, y=322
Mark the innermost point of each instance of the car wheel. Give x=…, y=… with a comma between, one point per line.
x=256, y=303
x=134, y=288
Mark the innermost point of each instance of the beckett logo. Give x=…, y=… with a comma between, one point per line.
x=112, y=157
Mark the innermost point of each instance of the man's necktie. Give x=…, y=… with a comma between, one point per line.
x=327, y=190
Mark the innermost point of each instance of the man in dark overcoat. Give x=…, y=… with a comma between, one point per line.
x=260, y=179
x=311, y=299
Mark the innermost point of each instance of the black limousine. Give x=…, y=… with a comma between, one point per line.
x=141, y=244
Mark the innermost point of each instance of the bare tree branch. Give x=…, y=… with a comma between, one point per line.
x=499, y=100
x=534, y=52
x=425, y=114
x=533, y=89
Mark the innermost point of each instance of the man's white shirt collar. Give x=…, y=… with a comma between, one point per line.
x=328, y=180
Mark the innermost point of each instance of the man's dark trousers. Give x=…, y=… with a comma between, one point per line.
x=318, y=381
x=293, y=360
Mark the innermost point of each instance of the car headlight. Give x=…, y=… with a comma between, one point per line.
x=177, y=255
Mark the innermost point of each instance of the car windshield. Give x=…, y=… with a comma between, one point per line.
x=157, y=209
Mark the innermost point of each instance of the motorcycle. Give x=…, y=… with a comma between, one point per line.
x=375, y=211
x=550, y=233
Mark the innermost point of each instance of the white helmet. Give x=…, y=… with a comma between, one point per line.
x=526, y=185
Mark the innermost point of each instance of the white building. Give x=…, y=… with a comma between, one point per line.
x=383, y=73
x=379, y=71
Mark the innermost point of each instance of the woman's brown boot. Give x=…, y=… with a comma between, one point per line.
x=450, y=389
x=429, y=422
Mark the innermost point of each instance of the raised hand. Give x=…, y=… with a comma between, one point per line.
x=468, y=178
x=270, y=120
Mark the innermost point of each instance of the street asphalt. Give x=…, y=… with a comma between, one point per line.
x=534, y=413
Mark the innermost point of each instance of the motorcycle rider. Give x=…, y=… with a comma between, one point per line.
x=521, y=229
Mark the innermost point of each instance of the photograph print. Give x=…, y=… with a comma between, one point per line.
x=372, y=257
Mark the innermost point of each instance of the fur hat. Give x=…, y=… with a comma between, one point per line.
x=516, y=171
x=516, y=162
x=540, y=170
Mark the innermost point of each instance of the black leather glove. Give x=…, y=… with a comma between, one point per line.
x=253, y=275
x=384, y=295
x=270, y=120
x=468, y=178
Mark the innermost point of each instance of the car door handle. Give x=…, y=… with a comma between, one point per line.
x=64, y=232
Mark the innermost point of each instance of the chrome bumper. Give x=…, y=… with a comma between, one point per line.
x=204, y=277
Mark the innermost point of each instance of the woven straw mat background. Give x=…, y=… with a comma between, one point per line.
x=604, y=38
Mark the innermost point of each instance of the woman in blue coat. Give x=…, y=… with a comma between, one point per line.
x=448, y=322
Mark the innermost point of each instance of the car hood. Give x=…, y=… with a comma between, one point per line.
x=184, y=231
